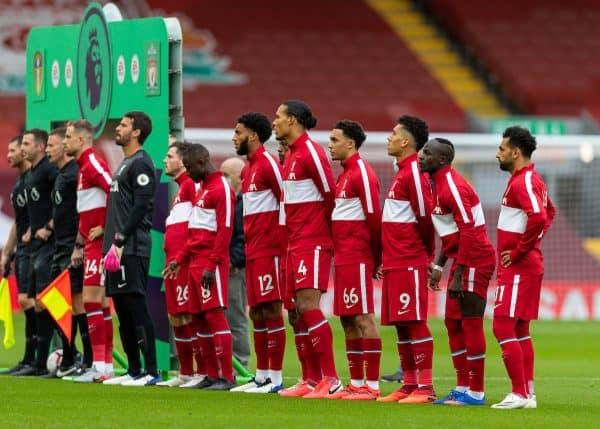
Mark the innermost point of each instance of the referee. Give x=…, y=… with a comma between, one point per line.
x=127, y=233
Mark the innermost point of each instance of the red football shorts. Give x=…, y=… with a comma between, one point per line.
x=404, y=295
x=201, y=299
x=475, y=279
x=263, y=280
x=353, y=289
x=177, y=292
x=518, y=295
x=310, y=268
x=92, y=255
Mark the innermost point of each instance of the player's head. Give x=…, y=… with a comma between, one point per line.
x=172, y=138
x=196, y=161
x=437, y=153
x=292, y=118
x=516, y=147
x=34, y=144
x=55, y=148
x=134, y=126
x=407, y=137
x=15, y=154
x=345, y=139
x=251, y=130
x=231, y=169
x=79, y=135
x=174, y=158
x=282, y=149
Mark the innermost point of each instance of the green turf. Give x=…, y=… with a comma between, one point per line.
x=567, y=375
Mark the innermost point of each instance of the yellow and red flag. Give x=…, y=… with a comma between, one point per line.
x=57, y=300
x=6, y=314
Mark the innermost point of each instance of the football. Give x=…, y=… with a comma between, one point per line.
x=54, y=360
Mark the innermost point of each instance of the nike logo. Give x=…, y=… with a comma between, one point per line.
x=89, y=276
x=121, y=285
x=497, y=305
x=350, y=306
x=205, y=300
x=265, y=293
x=401, y=312
x=300, y=280
x=335, y=388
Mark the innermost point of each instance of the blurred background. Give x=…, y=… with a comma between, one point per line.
x=469, y=68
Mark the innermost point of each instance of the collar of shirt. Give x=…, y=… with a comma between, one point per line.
x=440, y=173
x=84, y=156
x=523, y=170
x=216, y=175
x=406, y=161
x=183, y=177
x=299, y=141
x=261, y=149
x=350, y=162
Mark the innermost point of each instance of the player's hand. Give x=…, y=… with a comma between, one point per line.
x=76, y=257
x=455, y=289
x=378, y=273
x=27, y=236
x=95, y=232
x=505, y=258
x=43, y=234
x=433, y=280
x=208, y=278
x=3, y=262
x=171, y=271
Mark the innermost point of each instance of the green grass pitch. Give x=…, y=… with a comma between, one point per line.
x=567, y=387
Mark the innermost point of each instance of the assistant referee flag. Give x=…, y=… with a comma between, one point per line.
x=57, y=300
x=6, y=314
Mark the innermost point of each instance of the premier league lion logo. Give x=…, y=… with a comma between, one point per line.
x=93, y=71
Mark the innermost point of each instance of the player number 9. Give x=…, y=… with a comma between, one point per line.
x=404, y=300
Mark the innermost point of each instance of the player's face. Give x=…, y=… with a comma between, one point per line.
x=396, y=141
x=505, y=155
x=339, y=145
x=428, y=162
x=71, y=142
x=240, y=139
x=173, y=163
x=195, y=167
x=124, y=132
x=54, y=149
x=30, y=148
x=15, y=154
x=282, y=149
x=281, y=123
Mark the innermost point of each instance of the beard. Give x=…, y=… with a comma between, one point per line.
x=504, y=166
x=122, y=140
x=243, y=148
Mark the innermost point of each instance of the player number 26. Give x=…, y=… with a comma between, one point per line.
x=182, y=294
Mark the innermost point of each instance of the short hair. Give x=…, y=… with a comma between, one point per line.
x=60, y=132
x=448, y=150
x=196, y=150
x=39, y=135
x=17, y=138
x=352, y=130
x=258, y=123
x=180, y=147
x=140, y=121
x=417, y=127
x=82, y=126
x=301, y=111
x=521, y=137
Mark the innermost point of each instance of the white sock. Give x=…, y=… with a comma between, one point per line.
x=100, y=366
x=261, y=375
x=373, y=384
x=476, y=395
x=357, y=383
x=461, y=389
x=109, y=368
x=530, y=387
x=276, y=377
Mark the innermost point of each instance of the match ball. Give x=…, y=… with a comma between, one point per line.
x=54, y=360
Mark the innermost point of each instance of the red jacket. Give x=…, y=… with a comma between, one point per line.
x=525, y=215
x=176, y=226
x=356, y=219
x=93, y=188
x=407, y=230
x=211, y=223
x=459, y=221
x=262, y=187
x=308, y=190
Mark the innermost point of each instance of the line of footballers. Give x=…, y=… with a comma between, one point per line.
x=297, y=219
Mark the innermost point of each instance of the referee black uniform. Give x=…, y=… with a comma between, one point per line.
x=128, y=223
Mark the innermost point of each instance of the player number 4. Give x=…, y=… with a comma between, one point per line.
x=302, y=268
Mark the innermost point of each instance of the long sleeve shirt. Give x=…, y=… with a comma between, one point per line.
x=176, y=225
x=93, y=187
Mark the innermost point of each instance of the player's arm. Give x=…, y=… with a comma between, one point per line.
x=99, y=176
x=225, y=208
x=142, y=177
x=368, y=192
x=9, y=247
x=319, y=170
x=550, y=213
x=77, y=254
x=435, y=272
x=420, y=198
x=531, y=202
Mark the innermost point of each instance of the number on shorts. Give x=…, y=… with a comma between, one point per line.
x=182, y=294
x=266, y=284
x=499, y=293
x=350, y=298
x=91, y=266
x=302, y=268
x=404, y=300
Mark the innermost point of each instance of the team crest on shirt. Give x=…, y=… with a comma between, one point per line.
x=57, y=198
x=22, y=199
x=292, y=175
x=200, y=202
x=35, y=195
x=143, y=179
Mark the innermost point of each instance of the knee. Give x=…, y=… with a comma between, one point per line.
x=293, y=317
x=256, y=315
x=365, y=323
x=271, y=310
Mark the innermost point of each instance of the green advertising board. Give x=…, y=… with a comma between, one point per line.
x=535, y=125
x=99, y=70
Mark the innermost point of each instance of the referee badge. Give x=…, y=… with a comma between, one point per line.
x=143, y=179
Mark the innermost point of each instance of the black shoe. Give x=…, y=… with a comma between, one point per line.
x=11, y=371
x=44, y=373
x=25, y=371
x=397, y=376
x=208, y=381
x=221, y=384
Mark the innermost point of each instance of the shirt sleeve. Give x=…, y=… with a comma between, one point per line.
x=419, y=195
x=318, y=169
x=368, y=191
x=99, y=175
x=143, y=181
x=224, y=208
x=461, y=208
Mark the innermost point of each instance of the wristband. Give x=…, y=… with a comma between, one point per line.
x=119, y=239
x=438, y=268
x=79, y=245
